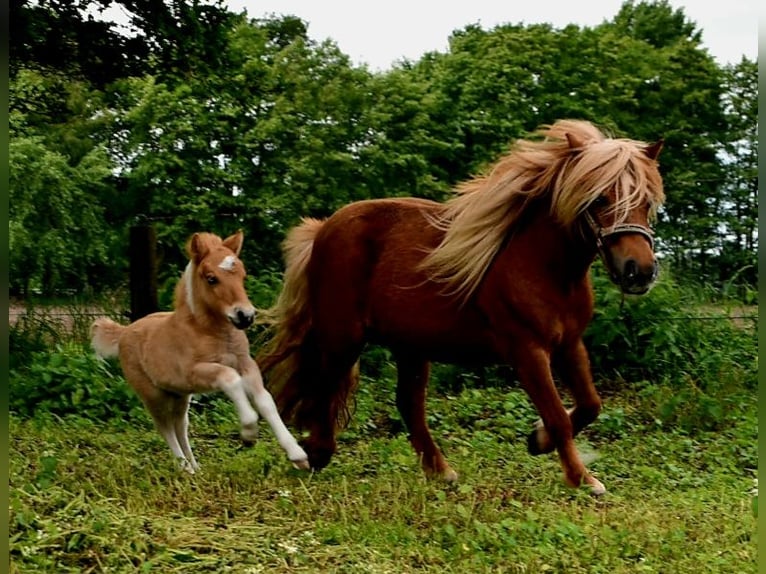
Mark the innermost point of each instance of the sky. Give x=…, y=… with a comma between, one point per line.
x=382, y=32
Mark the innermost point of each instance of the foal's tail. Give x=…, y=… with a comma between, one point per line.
x=287, y=354
x=105, y=337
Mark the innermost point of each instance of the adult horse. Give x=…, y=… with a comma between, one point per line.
x=199, y=347
x=497, y=274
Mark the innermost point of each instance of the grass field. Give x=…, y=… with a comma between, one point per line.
x=95, y=497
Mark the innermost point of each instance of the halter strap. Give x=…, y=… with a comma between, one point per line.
x=617, y=229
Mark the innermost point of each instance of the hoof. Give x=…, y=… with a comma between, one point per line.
x=302, y=464
x=249, y=433
x=597, y=488
x=186, y=466
x=447, y=474
x=318, y=457
x=533, y=442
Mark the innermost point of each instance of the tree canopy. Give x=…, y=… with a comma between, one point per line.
x=202, y=118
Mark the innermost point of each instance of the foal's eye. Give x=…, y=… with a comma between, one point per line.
x=212, y=279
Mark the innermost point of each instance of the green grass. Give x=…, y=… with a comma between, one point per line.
x=95, y=497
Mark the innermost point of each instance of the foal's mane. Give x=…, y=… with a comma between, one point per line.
x=571, y=162
x=184, y=294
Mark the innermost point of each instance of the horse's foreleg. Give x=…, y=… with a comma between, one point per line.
x=331, y=379
x=268, y=409
x=533, y=367
x=206, y=377
x=411, y=402
x=573, y=365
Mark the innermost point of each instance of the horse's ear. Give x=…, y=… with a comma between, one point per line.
x=234, y=242
x=653, y=150
x=196, y=248
x=574, y=141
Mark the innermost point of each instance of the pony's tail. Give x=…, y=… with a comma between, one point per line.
x=287, y=352
x=105, y=337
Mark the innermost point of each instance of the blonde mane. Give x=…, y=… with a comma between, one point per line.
x=571, y=161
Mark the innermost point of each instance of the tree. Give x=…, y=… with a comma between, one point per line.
x=57, y=237
x=680, y=99
x=739, y=205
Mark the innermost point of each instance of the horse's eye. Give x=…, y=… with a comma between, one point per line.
x=212, y=279
x=601, y=201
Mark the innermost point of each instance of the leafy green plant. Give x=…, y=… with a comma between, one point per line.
x=71, y=380
x=664, y=336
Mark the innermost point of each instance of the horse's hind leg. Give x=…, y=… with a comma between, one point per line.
x=181, y=423
x=164, y=409
x=168, y=410
x=573, y=366
x=411, y=402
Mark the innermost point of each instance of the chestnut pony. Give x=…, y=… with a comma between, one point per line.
x=199, y=347
x=497, y=274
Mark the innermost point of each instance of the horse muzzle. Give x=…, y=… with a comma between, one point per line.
x=242, y=318
x=632, y=277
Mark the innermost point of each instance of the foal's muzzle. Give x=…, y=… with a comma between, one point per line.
x=242, y=318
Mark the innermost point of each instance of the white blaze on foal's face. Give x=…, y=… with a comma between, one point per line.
x=228, y=263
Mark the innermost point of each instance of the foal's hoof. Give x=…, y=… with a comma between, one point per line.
x=249, y=434
x=187, y=466
x=302, y=464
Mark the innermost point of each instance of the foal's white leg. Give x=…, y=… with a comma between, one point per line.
x=164, y=409
x=168, y=432
x=217, y=377
x=181, y=425
x=248, y=418
x=265, y=405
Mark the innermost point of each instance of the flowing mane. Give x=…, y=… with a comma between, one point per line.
x=571, y=162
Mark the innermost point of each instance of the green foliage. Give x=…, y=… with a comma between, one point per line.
x=696, y=363
x=672, y=334
x=90, y=495
x=216, y=122
x=71, y=380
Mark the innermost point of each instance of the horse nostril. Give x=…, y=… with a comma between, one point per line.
x=244, y=319
x=631, y=269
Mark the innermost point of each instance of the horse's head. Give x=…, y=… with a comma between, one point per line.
x=610, y=189
x=619, y=216
x=217, y=279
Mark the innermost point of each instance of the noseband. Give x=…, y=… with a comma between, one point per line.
x=620, y=228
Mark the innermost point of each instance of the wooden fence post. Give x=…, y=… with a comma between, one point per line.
x=143, y=269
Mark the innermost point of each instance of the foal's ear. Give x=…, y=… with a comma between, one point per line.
x=653, y=150
x=197, y=248
x=574, y=141
x=234, y=242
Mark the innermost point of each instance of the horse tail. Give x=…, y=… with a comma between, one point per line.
x=105, y=337
x=288, y=350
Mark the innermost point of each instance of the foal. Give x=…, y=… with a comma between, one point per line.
x=199, y=347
